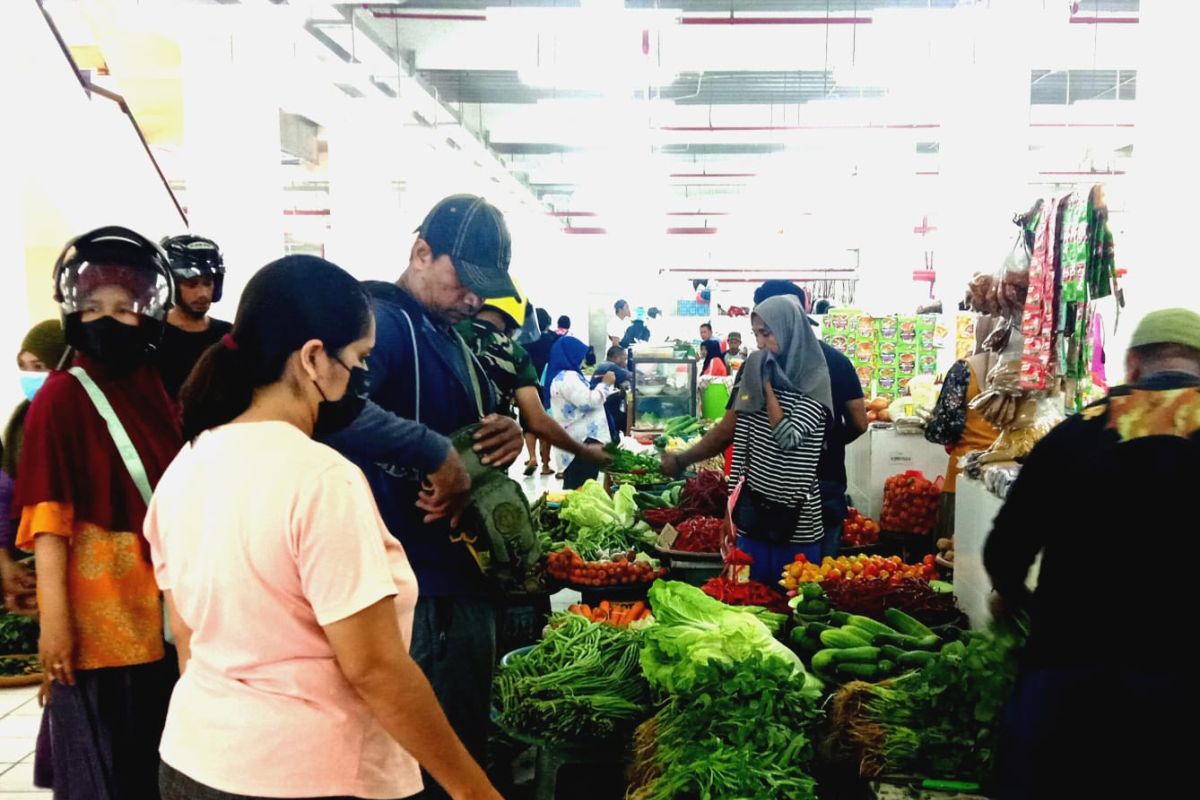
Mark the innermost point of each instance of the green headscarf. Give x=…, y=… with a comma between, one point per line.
x=47, y=341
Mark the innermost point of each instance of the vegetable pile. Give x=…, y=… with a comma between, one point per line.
x=699, y=535
x=567, y=565
x=19, y=666
x=619, y=615
x=731, y=589
x=866, y=649
x=659, y=518
x=581, y=683
x=914, y=596
x=910, y=503
x=18, y=634
x=681, y=428
x=859, y=531
x=638, y=469
x=739, y=706
x=854, y=568
x=600, y=527
x=705, y=495
x=943, y=720
x=667, y=498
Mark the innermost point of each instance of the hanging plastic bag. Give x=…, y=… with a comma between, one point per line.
x=910, y=503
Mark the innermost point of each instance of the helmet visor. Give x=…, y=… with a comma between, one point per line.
x=107, y=287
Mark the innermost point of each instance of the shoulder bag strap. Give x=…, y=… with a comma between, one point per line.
x=129, y=453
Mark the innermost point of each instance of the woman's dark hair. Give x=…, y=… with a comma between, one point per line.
x=286, y=303
x=564, y=321
x=543, y=318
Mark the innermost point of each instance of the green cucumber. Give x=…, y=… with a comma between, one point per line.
x=814, y=629
x=822, y=661
x=840, y=618
x=916, y=658
x=844, y=637
x=856, y=655
x=865, y=672
x=868, y=624
x=897, y=654
x=905, y=624
x=906, y=642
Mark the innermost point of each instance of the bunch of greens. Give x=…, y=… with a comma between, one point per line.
x=640, y=469
x=580, y=683
x=739, y=707
x=746, y=735
x=940, y=722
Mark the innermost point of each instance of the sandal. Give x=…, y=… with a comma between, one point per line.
x=530, y=468
x=560, y=475
x=547, y=469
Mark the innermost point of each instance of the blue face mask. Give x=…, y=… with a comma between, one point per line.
x=31, y=382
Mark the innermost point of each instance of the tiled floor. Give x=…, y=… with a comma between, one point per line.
x=20, y=714
x=19, y=720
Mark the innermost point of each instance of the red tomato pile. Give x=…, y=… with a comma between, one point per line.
x=698, y=535
x=566, y=565
x=910, y=503
x=859, y=531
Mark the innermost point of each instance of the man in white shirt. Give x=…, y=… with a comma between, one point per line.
x=619, y=323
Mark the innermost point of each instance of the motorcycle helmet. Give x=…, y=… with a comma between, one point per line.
x=114, y=256
x=194, y=257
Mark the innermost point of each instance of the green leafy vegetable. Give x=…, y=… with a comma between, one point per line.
x=581, y=682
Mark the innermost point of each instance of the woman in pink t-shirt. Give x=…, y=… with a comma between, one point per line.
x=291, y=603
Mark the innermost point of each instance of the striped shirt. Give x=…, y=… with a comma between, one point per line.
x=781, y=462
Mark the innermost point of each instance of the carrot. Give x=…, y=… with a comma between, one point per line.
x=606, y=607
x=645, y=613
x=620, y=618
x=585, y=610
x=635, y=610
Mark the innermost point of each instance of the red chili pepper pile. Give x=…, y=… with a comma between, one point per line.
x=871, y=598
x=659, y=518
x=752, y=593
x=699, y=535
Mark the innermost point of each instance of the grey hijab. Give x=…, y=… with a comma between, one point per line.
x=799, y=365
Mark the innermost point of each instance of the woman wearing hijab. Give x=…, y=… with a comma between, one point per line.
x=577, y=407
x=82, y=501
x=714, y=360
x=40, y=352
x=783, y=404
x=291, y=602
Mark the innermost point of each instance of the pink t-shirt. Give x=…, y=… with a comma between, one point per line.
x=263, y=536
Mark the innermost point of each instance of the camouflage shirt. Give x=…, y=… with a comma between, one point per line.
x=506, y=363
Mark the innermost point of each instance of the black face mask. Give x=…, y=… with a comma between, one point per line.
x=334, y=415
x=111, y=342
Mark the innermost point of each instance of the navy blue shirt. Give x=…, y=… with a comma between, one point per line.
x=419, y=371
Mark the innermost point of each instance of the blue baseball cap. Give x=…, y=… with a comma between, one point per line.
x=472, y=232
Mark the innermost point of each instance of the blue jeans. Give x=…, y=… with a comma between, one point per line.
x=834, y=510
x=770, y=559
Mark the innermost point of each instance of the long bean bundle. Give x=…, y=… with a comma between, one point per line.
x=583, y=682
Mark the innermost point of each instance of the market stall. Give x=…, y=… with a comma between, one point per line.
x=724, y=687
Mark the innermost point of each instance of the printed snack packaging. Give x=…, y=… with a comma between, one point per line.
x=906, y=360
x=887, y=328
x=906, y=328
x=886, y=355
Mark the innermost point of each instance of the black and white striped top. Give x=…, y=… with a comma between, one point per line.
x=781, y=462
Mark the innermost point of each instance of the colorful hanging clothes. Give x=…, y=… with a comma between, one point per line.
x=1102, y=258
x=1037, y=323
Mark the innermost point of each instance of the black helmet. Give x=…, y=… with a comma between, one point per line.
x=114, y=256
x=195, y=257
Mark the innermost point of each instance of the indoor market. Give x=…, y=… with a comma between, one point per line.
x=596, y=399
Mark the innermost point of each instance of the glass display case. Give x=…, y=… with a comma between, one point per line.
x=663, y=387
